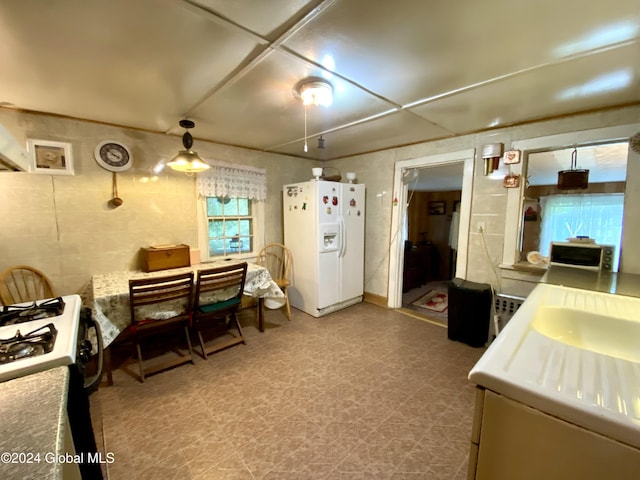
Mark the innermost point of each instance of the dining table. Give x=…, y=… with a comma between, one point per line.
x=107, y=295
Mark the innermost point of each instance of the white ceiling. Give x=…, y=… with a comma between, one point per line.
x=403, y=71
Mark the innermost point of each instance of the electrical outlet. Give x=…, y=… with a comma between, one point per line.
x=481, y=227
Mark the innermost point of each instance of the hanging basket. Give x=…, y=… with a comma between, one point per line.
x=574, y=178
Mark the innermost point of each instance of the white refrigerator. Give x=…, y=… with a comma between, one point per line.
x=324, y=229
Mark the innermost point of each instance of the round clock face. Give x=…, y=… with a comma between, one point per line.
x=113, y=156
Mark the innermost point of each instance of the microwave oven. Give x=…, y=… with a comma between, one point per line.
x=585, y=255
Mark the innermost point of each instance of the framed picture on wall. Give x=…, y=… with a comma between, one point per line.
x=437, y=208
x=50, y=158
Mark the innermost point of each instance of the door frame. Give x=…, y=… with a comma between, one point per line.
x=399, y=213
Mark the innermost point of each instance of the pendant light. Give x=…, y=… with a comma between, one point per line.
x=187, y=161
x=313, y=91
x=574, y=178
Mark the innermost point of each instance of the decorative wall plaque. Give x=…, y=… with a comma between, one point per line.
x=511, y=181
x=511, y=157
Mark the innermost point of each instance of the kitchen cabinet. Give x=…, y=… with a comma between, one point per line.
x=512, y=440
x=561, y=387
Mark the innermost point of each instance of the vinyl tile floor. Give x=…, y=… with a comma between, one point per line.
x=363, y=393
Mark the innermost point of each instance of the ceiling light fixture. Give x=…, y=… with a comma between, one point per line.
x=187, y=161
x=316, y=92
x=313, y=91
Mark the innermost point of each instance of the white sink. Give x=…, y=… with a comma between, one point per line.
x=616, y=337
x=574, y=354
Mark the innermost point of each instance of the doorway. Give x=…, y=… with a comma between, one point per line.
x=430, y=248
x=428, y=167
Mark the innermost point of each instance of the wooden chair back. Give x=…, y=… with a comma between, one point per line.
x=220, y=285
x=22, y=283
x=159, y=303
x=163, y=299
x=277, y=259
x=218, y=298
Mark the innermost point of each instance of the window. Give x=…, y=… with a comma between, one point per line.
x=230, y=226
x=522, y=229
x=598, y=216
x=515, y=221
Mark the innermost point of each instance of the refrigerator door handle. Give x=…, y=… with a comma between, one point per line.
x=343, y=237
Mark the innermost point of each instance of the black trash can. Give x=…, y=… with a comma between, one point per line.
x=469, y=312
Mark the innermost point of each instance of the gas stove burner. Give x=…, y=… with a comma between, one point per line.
x=22, y=350
x=12, y=314
x=37, y=342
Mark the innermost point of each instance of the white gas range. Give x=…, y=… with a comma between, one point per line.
x=45, y=335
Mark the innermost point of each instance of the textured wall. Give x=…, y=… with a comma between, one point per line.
x=63, y=224
x=488, y=199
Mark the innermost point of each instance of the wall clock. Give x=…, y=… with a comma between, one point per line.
x=113, y=156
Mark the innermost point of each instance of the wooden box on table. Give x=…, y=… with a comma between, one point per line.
x=164, y=257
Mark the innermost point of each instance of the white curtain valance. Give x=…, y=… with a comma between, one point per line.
x=232, y=180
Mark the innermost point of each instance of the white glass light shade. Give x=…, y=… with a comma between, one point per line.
x=188, y=161
x=316, y=93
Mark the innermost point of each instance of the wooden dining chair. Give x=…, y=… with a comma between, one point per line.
x=22, y=283
x=277, y=259
x=160, y=304
x=217, y=300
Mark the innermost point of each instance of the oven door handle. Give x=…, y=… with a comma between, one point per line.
x=91, y=383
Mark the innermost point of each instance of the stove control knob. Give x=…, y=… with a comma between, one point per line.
x=84, y=353
x=84, y=357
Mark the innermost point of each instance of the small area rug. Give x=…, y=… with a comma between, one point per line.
x=434, y=301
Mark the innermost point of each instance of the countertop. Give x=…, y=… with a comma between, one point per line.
x=606, y=282
x=596, y=389
x=33, y=410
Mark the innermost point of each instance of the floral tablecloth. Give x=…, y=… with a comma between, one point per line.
x=108, y=294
